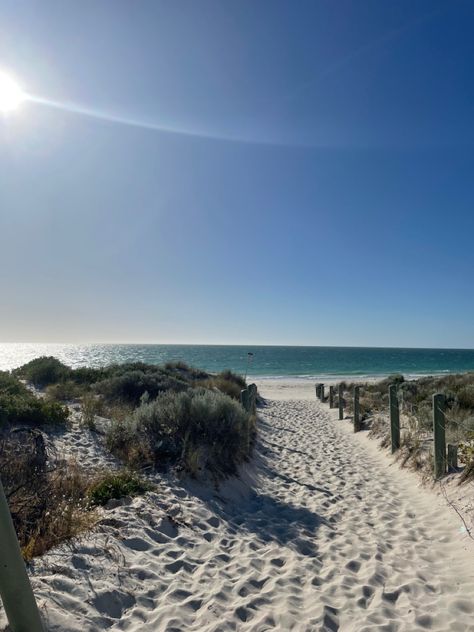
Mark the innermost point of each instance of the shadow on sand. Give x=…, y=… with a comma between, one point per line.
x=272, y=520
x=241, y=504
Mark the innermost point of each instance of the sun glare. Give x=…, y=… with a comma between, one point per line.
x=11, y=95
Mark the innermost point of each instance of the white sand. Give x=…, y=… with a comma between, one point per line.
x=298, y=387
x=321, y=534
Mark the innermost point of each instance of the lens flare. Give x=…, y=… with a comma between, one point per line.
x=11, y=95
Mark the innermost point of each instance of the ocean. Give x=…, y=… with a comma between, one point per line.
x=265, y=361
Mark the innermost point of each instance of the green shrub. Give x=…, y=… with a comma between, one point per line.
x=131, y=386
x=19, y=406
x=185, y=372
x=28, y=410
x=87, y=375
x=11, y=385
x=117, y=485
x=176, y=427
x=43, y=371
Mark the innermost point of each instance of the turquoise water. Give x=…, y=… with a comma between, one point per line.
x=266, y=361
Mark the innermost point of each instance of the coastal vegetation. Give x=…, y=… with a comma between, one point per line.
x=416, y=408
x=150, y=417
x=116, y=485
x=51, y=499
x=18, y=405
x=200, y=429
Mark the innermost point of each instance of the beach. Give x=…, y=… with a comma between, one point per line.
x=288, y=389
x=320, y=532
x=237, y=352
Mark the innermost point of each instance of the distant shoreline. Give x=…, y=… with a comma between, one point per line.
x=265, y=362
x=333, y=378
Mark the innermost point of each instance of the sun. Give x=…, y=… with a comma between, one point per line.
x=11, y=95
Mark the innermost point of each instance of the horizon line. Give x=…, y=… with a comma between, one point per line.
x=222, y=344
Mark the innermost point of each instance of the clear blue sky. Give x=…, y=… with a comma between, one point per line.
x=316, y=188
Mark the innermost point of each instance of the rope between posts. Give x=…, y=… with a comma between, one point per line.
x=454, y=421
x=414, y=409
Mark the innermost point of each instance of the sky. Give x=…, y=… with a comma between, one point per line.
x=238, y=172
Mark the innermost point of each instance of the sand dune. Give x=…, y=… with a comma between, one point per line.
x=320, y=534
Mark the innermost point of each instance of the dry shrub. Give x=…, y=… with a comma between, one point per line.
x=52, y=500
x=64, y=391
x=47, y=502
x=415, y=454
x=194, y=460
x=130, y=445
x=466, y=455
x=465, y=396
x=91, y=405
x=60, y=513
x=380, y=429
x=119, y=412
x=468, y=472
x=221, y=384
x=226, y=382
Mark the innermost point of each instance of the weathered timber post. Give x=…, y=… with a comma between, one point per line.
x=356, y=409
x=341, y=401
x=252, y=388
x=15, y=588
x=331, y=397
x=394, y=417
x=439, y=433
x=322, y=393
x=318, y=389
x=245, y=399
x=452, y=457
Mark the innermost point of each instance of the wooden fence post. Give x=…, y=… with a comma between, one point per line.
x=439, y=433
x=15, y=588
x=318, y=388
x=341, y=401
x=356, y=409
x=452, y=457
x=245, y=399
x=394, y=417
x=331, y=397
x=322, y=392
x=252, y=389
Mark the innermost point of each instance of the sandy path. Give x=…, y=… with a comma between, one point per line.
x=328, y=537
x=388, y=555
